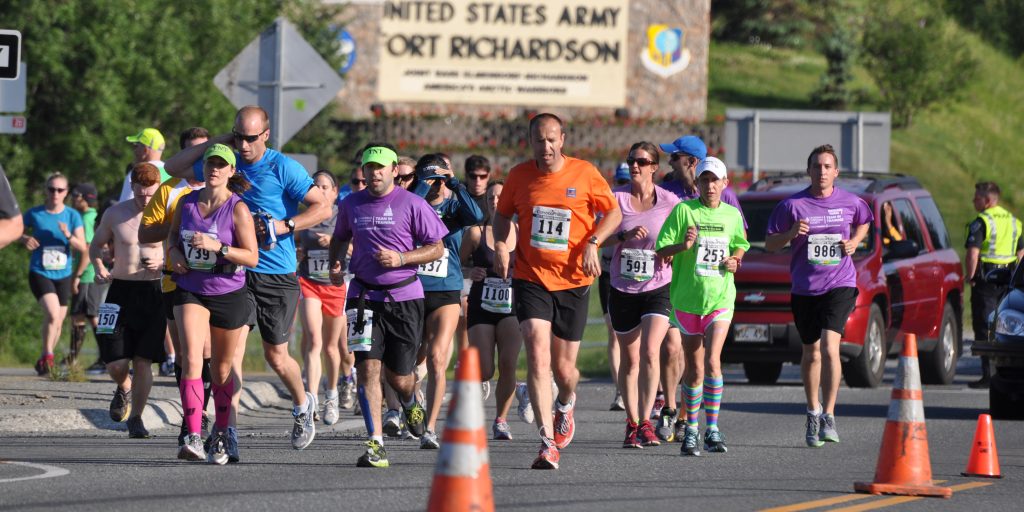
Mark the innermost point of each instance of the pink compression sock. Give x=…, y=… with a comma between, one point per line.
x=192, y=404
x=222, y=403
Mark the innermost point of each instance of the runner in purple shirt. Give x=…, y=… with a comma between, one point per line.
x=684, y=155
x=394, y=231
x=823, y=225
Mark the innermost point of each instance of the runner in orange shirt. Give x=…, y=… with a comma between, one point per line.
x=556, y=199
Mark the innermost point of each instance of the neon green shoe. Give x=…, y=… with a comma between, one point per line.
x=375, y=456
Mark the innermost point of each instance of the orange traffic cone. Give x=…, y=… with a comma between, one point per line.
x=903, y=463
x=462, y=475
x=984, y=461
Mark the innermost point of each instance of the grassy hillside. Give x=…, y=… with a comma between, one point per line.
x=948, y=147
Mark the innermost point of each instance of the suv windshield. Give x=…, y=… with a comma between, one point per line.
x=757, y=213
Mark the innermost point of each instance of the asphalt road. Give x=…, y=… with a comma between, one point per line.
x=767, y=464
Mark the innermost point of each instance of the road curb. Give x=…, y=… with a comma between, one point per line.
x=159, y=413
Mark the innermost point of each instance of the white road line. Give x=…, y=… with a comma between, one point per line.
x=48, y=471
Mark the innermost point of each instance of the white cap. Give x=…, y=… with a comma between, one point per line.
x=712, y=165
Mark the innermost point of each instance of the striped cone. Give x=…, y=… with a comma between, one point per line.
x=462, y=475
x=903, y=463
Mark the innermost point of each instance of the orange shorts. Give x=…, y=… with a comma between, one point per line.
x=332, y=298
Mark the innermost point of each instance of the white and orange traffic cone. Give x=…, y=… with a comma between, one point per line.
x=462, y=475
x=904, y=466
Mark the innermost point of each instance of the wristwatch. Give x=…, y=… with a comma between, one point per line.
x=291, y=225
x=224, y=250
x=593, y=240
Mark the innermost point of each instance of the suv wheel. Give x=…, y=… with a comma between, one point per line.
x=763, y=373
x=866, y=370
x=938, y=366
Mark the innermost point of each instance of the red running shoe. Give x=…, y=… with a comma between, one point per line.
x=631, y=440
x=43, y=365
x=548, y=456
x=645, y=434
x=565, y=425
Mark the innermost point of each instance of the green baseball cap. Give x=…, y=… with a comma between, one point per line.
x=150, y=137
x=379, y=155
x=221, y=151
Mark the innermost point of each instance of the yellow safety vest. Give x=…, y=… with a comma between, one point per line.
x=1002, y=230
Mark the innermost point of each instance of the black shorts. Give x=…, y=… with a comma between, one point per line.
x=565, y=309
x=432, y=301
x=138, y=330
x=477, y=315
x=41, y=285
x=88, y=299
x=227, y=311
x=814, y=313
x=396, y=330
x=273, y=300
x=604, y=286
x=169, y=305
x=629, y=309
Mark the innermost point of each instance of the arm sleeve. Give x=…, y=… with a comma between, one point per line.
x=155, y=212
x=975, y=234
x=341, y=226
x=466, y=210
x=75, y=220
x=8, y=203
x=296, y=181
x=862, y=215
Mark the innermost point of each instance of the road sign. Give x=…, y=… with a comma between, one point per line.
x=12, y=124
x=306, y=160
x=10, y=54
x=282, y=73
x=12, y=93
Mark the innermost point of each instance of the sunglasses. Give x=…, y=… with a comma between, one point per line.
x=679, y=156
x=357, y=181
x=55, y=190
x=248, y=138
x=404, y=177
x=476, y=176
x=640, y=162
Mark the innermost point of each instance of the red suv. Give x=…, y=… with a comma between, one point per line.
x=909, y=279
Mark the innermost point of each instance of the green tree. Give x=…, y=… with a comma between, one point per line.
x=915, y=56
x=839, y=45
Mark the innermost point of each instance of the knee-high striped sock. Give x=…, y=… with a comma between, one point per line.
x=712, y=399
x=692, y=398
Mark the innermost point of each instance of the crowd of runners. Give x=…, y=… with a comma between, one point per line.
x=404, y=264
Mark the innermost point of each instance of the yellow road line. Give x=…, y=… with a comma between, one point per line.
x=905, y=499
x=807, y=505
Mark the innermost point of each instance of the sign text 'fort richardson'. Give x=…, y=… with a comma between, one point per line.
x=561, y=52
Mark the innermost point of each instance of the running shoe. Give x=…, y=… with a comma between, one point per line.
x=43, y=365
x=205, y=423
x=617, y=404
x=97, y=368
x=218, y=453
x=136, y=430
x=548, y=456
x=182, y=434
x=827, y=429
x=659, y=404
x=691, y=443
x=393, y=423
x=428, y=441
x=120, y=405
x=485, y=386
x=304, y=430
x=631, y=440
x=679, y=431
x=192, y=448
x=500, y=430
x=813, y=429
x=714, y=442
x=347, y=395
x=167, y=369
x=525, y=407
x=415, y=418
x=565, y=425
x=231, y=445
x=331, y=411
x=374, y=457
x=664, y=430
x=645, y=434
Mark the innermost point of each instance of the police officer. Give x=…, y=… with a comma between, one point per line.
x=994, y=238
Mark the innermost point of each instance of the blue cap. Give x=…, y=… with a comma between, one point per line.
x=689, y=144
x=622, y=172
